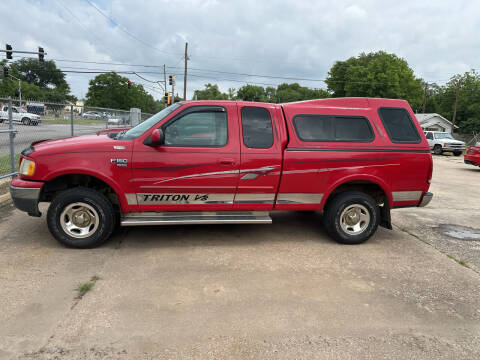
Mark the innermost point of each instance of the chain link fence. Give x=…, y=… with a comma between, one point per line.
x=26, y=121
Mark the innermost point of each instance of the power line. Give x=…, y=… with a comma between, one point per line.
x=124, y=30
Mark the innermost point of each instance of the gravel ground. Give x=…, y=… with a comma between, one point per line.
x=281, y=291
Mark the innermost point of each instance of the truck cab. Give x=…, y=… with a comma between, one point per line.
x=212, y=162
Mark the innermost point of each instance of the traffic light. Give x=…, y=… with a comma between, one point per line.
x=129, y=84
x=5, y=72
x=41, y=54
x=166, y=97
x=171, y=79
x=9, y=51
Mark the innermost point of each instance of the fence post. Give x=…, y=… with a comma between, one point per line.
x=12, y=135
x=71, y=119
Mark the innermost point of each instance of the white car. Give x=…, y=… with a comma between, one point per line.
x=20, y=115
x=441, y=142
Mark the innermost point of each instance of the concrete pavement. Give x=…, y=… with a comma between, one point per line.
x=279, y=291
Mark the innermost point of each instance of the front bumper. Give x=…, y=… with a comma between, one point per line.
x=427, y=197
x=26, y=198
x=453, y=149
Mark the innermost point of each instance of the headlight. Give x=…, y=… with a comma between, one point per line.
x=445, y=144
x=27, y=167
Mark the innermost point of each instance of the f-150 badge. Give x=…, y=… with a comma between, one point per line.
x=119, y=162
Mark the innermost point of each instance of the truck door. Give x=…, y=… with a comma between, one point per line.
x=196, y=168
x=429, y=137
x=261, y=129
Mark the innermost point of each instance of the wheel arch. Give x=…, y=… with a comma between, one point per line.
x=371, y=185
x=64, y=180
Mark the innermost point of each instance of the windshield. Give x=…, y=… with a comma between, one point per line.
x=141, y=128
x=443, y=136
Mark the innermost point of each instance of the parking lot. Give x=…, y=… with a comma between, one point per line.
x=252, y=291
x=28, y=134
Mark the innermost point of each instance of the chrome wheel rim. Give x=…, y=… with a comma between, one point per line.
x=79, y=220
x=354, y=219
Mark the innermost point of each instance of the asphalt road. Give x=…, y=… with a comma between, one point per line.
x=27, y=134
x=280, y=291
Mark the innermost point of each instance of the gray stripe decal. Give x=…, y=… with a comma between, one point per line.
x=406, y=195
x=131, y=199
x=254, y=198
x=299, y=198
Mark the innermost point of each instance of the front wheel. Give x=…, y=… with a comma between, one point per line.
x=81, y=218
x=26, y=121
x=457, y=153
x=351, y=217
x=437, y=150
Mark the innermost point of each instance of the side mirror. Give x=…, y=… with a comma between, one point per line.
x=156, y=139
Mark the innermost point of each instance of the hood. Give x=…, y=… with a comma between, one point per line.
x=76, y=144
x=452, y=141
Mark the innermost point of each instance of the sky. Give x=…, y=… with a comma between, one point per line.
x=295, y=39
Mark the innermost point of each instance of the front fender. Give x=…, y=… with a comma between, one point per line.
x=106, y=179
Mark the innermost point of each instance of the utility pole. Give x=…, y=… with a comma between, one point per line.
x=185, y=73
x=173, y=89
x=165, y=78
x=425, y=98
x=455, y=106
x=19, y=88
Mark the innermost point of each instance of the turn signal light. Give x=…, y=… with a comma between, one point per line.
x=27, y=167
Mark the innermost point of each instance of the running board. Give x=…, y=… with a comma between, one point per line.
x=194, y=218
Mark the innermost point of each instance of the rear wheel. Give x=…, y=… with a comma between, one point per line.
x=457, y=153
x=81, y=218
x=437, y=150
x=351, y=217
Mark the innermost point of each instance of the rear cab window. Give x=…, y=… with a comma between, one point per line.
x=256, y=127
x=399, y=125
x=333, y=128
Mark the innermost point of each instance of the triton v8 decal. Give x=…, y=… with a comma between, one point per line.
x=176, y=199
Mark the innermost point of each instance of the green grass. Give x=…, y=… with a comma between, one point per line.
x=86, y=286
x=5, y=164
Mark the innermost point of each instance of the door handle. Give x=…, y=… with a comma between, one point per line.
x=227, y=162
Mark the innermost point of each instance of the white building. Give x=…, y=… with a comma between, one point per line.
x=434, y=122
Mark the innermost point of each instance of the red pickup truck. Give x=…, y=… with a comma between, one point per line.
x=212, y=162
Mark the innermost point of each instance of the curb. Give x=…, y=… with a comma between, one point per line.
x=5, y=200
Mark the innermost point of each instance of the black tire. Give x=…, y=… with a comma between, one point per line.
x=336, y=206
x=26, y=121
x=437, y=150
x=94, y=202
x=457, y=153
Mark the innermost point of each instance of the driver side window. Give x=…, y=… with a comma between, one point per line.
x=198, y=129
x=429, y=136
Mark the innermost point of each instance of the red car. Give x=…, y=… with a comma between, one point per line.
x=212, y=162
x=472, y=156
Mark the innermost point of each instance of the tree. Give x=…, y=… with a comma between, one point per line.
x=283, y=93
x=39, y=81
x=252, y=93
x=468, y=107
x=111, y=90
x=211, y=92
x=376, y=74
x=295, y=92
